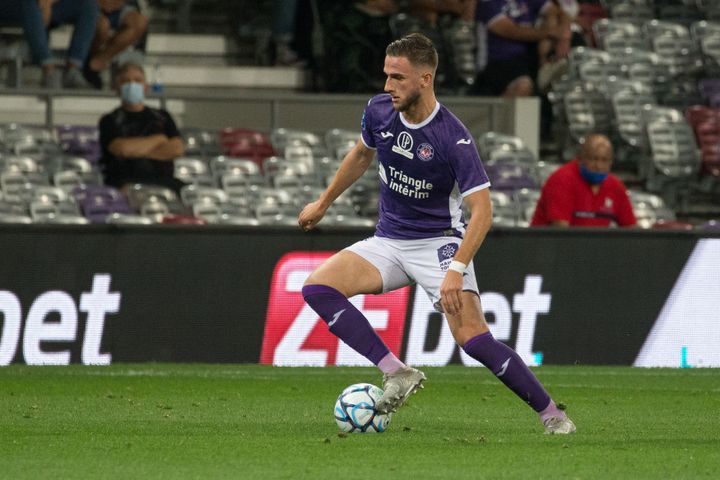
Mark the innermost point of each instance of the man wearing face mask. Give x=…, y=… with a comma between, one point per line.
x=583, y=192
x=139, y=143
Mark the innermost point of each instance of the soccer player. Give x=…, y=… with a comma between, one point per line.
x=428, y=165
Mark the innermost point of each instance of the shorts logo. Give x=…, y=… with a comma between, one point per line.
x=403, y=145
x=446, y=253
x=425, y=152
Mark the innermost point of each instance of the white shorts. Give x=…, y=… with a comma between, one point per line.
x=404, y=262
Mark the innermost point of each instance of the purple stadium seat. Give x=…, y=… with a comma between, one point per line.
x=97, y=202
x=81, y=140
x=510, y=176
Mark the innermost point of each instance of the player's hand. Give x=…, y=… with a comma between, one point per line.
x=311, y=215
x=451, y=292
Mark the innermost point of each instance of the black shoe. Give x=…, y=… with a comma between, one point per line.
x=92, y=77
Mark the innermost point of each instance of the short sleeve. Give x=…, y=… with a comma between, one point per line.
x=488, y=10
x=467, y=166
x=171, y=129
x=107, y=131
x=366, y=127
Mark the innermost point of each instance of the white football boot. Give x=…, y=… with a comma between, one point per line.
x=398, y=387
x=559, y=426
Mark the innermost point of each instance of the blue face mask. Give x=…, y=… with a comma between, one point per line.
x=132, y=92
x=593, y=178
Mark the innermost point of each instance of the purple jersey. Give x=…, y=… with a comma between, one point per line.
x=522, y=12
x=425, y=169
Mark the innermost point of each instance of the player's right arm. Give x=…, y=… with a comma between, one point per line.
x=352, y=167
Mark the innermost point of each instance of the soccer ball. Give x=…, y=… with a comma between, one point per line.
x=355, y=409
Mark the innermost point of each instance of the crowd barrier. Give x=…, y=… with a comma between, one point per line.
x=107, y=294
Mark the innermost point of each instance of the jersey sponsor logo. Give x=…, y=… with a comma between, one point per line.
x=362, y=122
x=412, y=187
x=386, y=134
x=425, y=152
x=403, y=145
x=464, y=141
x=295, y=335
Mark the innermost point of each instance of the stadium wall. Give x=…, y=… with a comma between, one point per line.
x=107, y=294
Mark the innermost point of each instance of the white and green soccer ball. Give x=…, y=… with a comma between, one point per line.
x=355, y=409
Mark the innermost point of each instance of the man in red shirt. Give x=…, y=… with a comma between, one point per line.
x=583, y=192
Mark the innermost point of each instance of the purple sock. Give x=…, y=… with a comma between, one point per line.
x=345, y=321
x=505, y=364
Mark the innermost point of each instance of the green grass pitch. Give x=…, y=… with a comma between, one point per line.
x=259, y=422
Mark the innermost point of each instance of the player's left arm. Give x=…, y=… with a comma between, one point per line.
x=480, y=222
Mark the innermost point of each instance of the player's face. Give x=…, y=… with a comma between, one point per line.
x=403, y=82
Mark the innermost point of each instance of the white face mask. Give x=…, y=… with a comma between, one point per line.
x=132, y=92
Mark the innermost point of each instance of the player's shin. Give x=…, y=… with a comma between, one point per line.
x=507, y=365
x=350, y=325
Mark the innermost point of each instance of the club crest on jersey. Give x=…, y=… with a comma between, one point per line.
x=425, y=152
x=445, y=254
x=403, y=145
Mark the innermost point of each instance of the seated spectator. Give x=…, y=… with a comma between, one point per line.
x=138, y=143
x=37, y=17
x=583, y=192
x=511, y=31
x=430, y=10
x=119, y=27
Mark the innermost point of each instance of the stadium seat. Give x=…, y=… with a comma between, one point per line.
x=337, y=137
x=176, y=219
x=281, y=138
x=189, y=194
x=489, y=141
x=586, y=111
x=632, y=12
x=14, y=218
x=127, y=219
x=97, y=202
x=675, y=157
x=246, y=143
x=139, y=193
x=80, y=140
x=192, y=171
x=672, y=225
x=511, y=176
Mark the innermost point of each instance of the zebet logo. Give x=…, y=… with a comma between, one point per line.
x=295, y=335
x=61, y=307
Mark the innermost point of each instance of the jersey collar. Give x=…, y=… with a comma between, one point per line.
x=424, y=122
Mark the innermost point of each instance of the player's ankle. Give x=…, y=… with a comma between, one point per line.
x=390, y=364
x=551, y=411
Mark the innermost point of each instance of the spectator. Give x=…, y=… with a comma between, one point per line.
x=37, y=17
x=352, y=35
x=283, y=28
x=120, y=26
x=511, y=31
x=138, y=143
x=583, y=192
